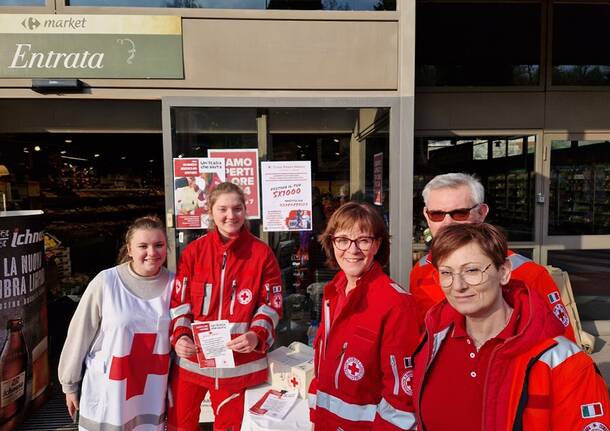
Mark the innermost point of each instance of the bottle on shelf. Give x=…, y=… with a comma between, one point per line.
x=13, y=366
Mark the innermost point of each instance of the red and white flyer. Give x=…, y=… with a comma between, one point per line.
x=275, y=404
x=194, y=180
x=211, y=338
x=241, y=167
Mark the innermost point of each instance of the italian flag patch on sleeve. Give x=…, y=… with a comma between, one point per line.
x=592, y=410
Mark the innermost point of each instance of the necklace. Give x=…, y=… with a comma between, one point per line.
x=478, y=343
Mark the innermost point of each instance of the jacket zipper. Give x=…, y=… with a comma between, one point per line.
x=222, y=288
x=326, y=324
x=340, y=365
x=222, y=283
x=233, y=289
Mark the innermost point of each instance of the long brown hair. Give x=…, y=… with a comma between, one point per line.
x=149, y=222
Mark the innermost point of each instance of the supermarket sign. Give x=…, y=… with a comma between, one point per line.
x=90, y=46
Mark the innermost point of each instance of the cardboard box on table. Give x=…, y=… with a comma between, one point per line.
x=291, y=368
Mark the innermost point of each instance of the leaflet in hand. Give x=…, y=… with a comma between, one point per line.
x=275, y=404
x=211, y=338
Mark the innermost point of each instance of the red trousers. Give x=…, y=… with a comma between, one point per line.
x=185, y=405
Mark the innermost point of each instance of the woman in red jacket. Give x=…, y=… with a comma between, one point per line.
x=367, y=334
x=231, y=275
x=495, y=359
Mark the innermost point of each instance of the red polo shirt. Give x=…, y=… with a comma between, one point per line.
x=452, y=394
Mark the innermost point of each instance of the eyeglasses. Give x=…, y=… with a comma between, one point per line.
x=364, y=243
x=472, y=276
x=459, y=214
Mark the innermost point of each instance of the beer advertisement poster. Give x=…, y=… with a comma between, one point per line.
x=24, y=365
x=194, y=180
x=241, y=168
x=286, y=188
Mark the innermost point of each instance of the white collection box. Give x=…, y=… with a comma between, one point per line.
x=291, y=368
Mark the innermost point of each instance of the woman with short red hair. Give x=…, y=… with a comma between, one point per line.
x=367, y=334
x=494, y=357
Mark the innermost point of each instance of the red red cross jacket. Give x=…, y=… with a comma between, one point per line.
x=363, y=357
x=238, y=281
x=537, y=380
x=424, y=287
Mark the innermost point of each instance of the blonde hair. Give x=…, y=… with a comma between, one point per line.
x=222, y=189
x=149, y=222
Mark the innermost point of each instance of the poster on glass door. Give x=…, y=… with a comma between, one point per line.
x=241, y=168
x=194, y=180
x=286, y=188
x=378, y=179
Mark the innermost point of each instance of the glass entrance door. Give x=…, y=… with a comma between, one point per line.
x=577, y=216
x=350, y=149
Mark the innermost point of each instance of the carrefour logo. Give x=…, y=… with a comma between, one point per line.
x=30, y=23
x=71, y=22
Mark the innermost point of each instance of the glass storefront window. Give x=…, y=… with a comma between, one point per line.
x=589, y=271
x=466, y=44
x=348, y=149
x=505, y=166
x=580, y=188
x=578, y=32
x=371, y=5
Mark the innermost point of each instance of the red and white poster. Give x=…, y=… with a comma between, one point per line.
x=194, y=179
x=241, y=168
x=378, y=179
x=286, y=189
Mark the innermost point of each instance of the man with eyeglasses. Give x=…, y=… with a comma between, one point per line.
x=459, y=198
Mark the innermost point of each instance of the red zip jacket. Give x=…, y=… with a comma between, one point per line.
x=537, y=380
x=424, y=286
x=238, y=281
x=363, y=357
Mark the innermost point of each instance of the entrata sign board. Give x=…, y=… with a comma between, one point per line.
x=91, y=46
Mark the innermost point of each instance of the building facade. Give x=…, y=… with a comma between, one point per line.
x=516, y=92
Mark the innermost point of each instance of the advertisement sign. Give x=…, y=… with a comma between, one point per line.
x=286, y=190
x=24, y=367
x=90, y=46
x=241, y=168
x=194, y=179
x=378, y=179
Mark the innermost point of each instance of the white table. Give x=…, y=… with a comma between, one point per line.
x=296, y=420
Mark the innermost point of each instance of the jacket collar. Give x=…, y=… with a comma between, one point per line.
x=536, y=322
x=340, y=281
x=244, y=234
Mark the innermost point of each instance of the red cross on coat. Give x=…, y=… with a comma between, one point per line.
x=353, y=368
x=140, y=362
x=244, y=296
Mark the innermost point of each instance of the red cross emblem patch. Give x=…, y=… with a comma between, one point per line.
x=560, y=312
x=353, y=369
x=595, y=426
x=244, y=296
x=277, y=300
x=141, y=361
x=405, y=382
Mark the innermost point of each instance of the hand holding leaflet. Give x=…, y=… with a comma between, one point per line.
x=211, y=339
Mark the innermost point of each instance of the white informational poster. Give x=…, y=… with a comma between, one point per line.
x=286, y=188
x=194, y=179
